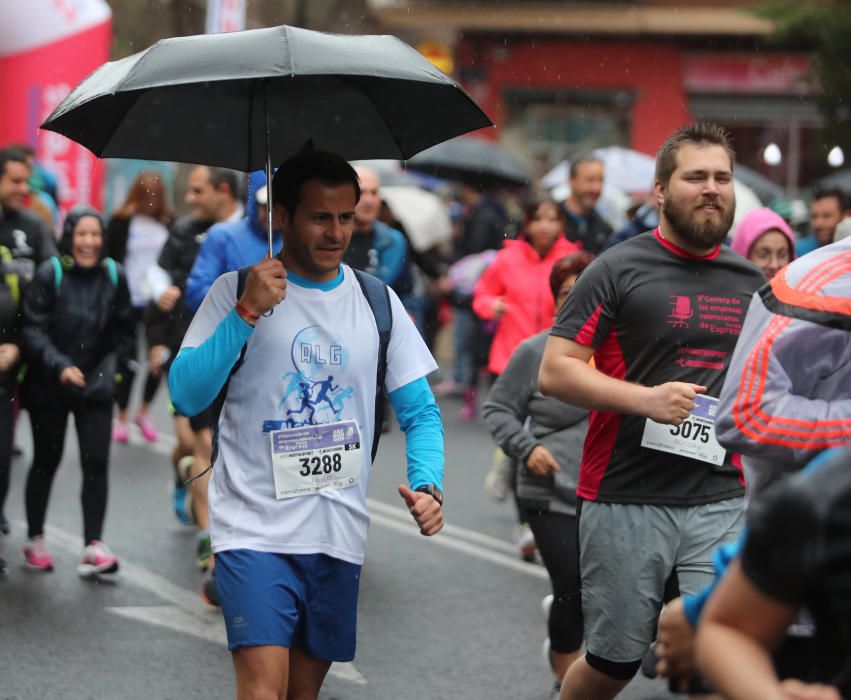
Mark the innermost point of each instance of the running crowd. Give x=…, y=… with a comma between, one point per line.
x=676, y=451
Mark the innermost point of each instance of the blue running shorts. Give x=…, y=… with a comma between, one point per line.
x=303, y=601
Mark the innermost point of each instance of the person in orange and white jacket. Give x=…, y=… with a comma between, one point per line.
x=787, y=395
x=515, y=288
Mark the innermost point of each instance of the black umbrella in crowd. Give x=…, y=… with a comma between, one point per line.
x=765, y=189
x=472, y=160
x=248, y=99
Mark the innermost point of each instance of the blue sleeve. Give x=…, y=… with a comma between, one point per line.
x=198, y=374
x=393, y=259
x=693, y=604
x=206, y=270
x=419, y=417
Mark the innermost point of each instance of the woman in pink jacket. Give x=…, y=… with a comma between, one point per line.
x=515, y=288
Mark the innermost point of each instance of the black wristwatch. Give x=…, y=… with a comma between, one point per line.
x=432, y=491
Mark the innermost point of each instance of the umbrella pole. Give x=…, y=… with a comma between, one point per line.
x=268, y=167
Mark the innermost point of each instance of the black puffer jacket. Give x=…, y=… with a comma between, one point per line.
x=87, y=322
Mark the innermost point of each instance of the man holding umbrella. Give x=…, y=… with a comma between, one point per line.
x=288, y=492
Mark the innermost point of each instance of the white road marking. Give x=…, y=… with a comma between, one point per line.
x=454, y=537
x=188, y=614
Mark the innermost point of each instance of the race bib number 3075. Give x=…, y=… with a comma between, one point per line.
x=316, y=457
x=694, y=437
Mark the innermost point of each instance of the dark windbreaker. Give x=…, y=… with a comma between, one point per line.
x=87, y=322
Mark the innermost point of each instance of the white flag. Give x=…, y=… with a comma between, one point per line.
x=225, y=16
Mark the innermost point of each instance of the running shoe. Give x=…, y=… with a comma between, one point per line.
x=5, y=529
x=97, y=559
x=182, y=496
x=525, y=541
x=36, y=554
x=447, y=387
x=468, y=410
x=205, y=551
x=120, y=432
x=497, y=480
x=209, y=590
x=546, y=606
x=149, y=432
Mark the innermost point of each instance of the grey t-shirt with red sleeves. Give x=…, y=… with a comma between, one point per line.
x=653, y=313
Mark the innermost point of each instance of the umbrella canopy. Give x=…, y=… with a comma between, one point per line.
x=423, y=214
x=210, y=99
x=840, y=179
x=472, y=159
x=762, y=187
x=626, y=170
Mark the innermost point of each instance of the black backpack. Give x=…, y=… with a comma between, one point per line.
x=378, y=297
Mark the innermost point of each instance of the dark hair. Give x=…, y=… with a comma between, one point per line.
x=11, y=154
x=24, y=148
x=224, y=176
x=327, y=168
x=572, y=264
x=827, y=192
x=579, y=159
x=699, y=134
x=530, y=209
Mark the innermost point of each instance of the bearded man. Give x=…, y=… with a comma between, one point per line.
x=660, y=314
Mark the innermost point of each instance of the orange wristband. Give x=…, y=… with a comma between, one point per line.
x=246, y=313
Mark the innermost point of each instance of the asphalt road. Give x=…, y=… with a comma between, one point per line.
x=454, y=616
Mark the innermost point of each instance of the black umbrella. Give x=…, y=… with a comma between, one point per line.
x=247, y=99
x=472, y=159
x=840, y=179
x=765, y=189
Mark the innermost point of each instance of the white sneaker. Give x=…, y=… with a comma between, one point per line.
x=546, y=606
x=97, y=559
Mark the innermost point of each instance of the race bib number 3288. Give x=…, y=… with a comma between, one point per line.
x=314, y=458
x=694, y=437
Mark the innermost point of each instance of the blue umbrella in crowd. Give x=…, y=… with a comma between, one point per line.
x=247, y=99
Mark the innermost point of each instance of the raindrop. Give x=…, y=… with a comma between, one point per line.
x=772, y=155
x=836, y=157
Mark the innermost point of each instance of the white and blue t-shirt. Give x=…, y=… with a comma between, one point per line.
x=312, y=361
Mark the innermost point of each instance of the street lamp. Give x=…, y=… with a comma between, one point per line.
x=836, y=157
x=772, y=155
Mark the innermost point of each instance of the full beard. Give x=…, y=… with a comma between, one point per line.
x=700, y=234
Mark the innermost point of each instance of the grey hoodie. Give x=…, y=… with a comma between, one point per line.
x=520, y=418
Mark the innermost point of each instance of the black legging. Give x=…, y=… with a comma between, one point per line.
x=152, y=383
x=557, y=539
x=7, y=431
x=93, y=422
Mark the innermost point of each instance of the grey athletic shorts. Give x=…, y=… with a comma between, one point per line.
x=627, y=552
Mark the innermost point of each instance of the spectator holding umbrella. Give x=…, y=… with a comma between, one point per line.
x=135, y=236
x=78, y=336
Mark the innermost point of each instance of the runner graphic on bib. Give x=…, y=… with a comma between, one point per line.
x=312, y=448
x=694, y=437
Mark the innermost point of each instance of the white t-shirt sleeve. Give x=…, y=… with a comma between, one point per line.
x=217, y=304
x=408, y=357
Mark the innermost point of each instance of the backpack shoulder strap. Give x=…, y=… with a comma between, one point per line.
x=111, y=270
x=378, y=297
x=219, y=401
x=57, y=272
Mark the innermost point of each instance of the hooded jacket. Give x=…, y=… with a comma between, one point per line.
x=522, y=278
x=229, y=247
x=757, y=222
x=787, y=394
x=520, y=419
x=86, y=322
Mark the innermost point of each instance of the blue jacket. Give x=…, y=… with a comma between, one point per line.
x=229, y=247
x=392, y=249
